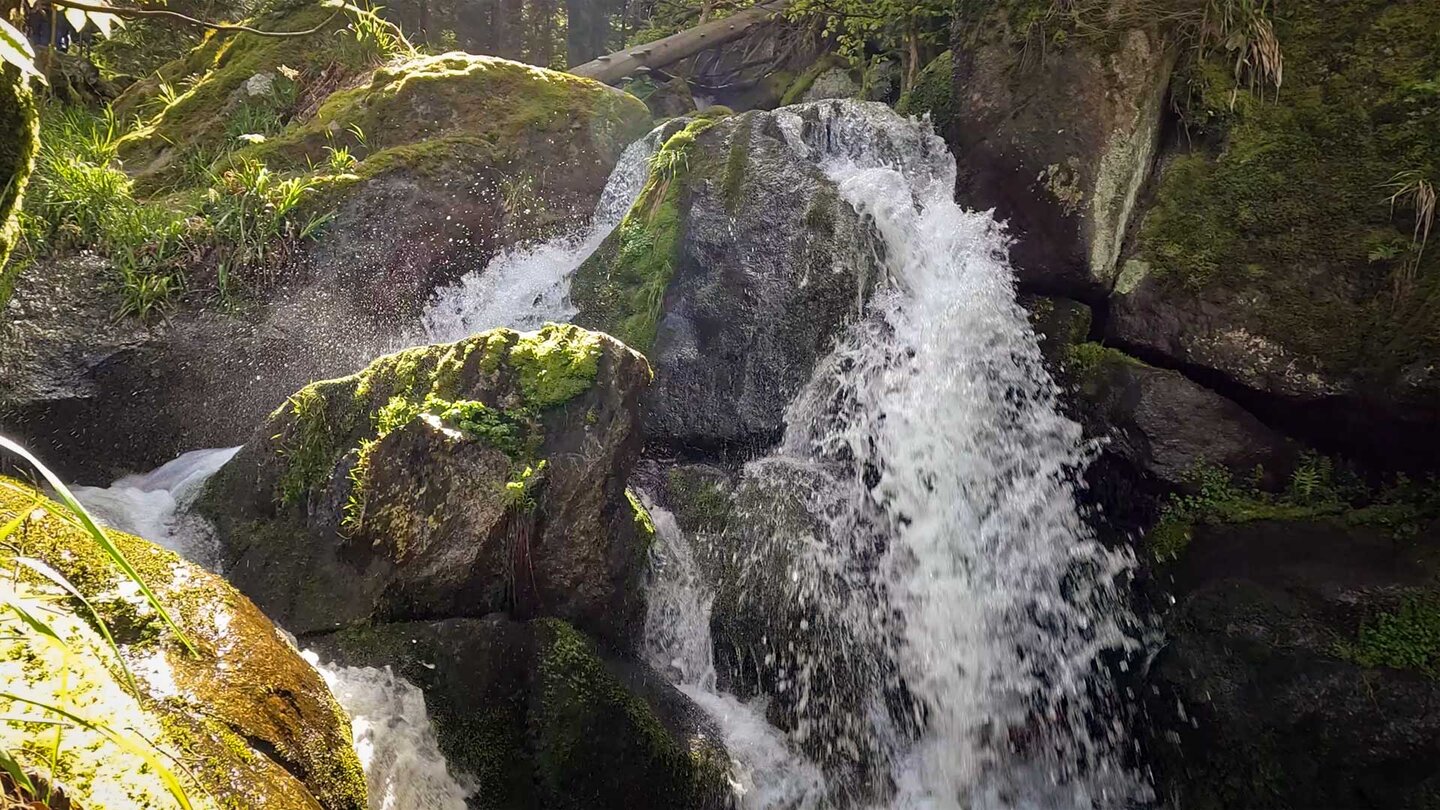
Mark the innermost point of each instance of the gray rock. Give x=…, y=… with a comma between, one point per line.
x=1251, y=706
x=447, y=481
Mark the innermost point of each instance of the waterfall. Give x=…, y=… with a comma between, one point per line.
x=529, y=285
x=391, y=730
x=766, y=772
x=939, y=615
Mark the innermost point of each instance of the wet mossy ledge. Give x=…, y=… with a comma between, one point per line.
x=450, y=480
x=244, y=722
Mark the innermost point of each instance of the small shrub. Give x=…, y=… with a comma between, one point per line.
x=1405, y=638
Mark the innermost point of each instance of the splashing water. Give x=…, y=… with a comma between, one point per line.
x=528, y=286
x=948, y=607
x=404, y=769
x=766, y=772
x=152, y=505
x=389, y=726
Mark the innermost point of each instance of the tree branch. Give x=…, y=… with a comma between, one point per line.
x=155, y=12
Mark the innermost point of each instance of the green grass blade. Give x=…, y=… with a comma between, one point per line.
x=59, y=579
x=104, y=541
x=17, y=773
x=172, y=782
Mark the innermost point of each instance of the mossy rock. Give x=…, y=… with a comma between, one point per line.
x=19, y=138
x=542, y=717
x=253, y=724
x=451, y=480
x=733, y=325
x=1271, y=255
x=933, y=93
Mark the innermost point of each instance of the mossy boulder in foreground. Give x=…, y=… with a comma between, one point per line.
x=543, y=718
x=451, y=480
x=252, y=724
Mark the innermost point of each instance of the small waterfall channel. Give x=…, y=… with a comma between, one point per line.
x=939, y=616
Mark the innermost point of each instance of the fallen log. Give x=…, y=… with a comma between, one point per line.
x=613, y=67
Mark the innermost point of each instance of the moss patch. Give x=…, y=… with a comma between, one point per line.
x=252, y=721
x=1407, y=637
x=581, y=706
x=1289, y=203
x=933, y=93
x=621, y=289
x=19, y=138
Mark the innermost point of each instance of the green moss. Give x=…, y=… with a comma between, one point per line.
x=795, y=93
x=19, y=138
x=737, y=164
x=933, y=93
x=1407, y=637
x=1288, y=204
x=700, y=502
x=1084, y=360
x=621, y=289
x=581, y=707
x=556, y=364
x=644, y=524
x=221, y=721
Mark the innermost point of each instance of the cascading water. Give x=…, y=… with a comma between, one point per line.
x=943, y=609
x=404, y=768
x=527, y=286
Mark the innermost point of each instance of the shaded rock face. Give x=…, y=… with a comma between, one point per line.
x=543, y=719
x=740, y=322
x=757, y=71
x=1163, y=423
x=447, y=481
x=252, y=722
x=1257, y=699
x=1060, y=147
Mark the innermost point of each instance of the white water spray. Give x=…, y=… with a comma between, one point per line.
x=947, y=609
x=392, y=733
x=527, y=286
x=766, y=771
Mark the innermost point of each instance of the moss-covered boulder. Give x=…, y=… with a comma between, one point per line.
x=542, y=718
x=243, y=721
x=933, y=93
x=1300, y=668
x=1276, y=253
x=19, y=138
x=1056, y=132
x=451, y=480
x=733, y=324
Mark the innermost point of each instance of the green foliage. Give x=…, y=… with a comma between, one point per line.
x=1405, y=638
x=258, y=219
x=1290, y=200
x=902, y=28
x=370, y=39
x=556, y=365
x=1318, y=488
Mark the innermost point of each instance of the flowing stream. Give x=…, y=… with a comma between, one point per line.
x=940, y=623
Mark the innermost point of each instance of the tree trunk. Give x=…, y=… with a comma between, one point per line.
x=671, y=49
x=587, y=31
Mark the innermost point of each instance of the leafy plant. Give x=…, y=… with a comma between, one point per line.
x=370, y=39
x=257, y=219
x=1415, y=191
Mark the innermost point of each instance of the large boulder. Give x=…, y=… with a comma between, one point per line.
x=253, y=724
x=1300, y=667
x=1273, y=255
x=543, y=719
x=734, y=325
x=20, y=136
x=453, y=480
x=1059, y=144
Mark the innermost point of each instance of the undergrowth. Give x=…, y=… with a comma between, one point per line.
x=241, y=232
x=1319, y=488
